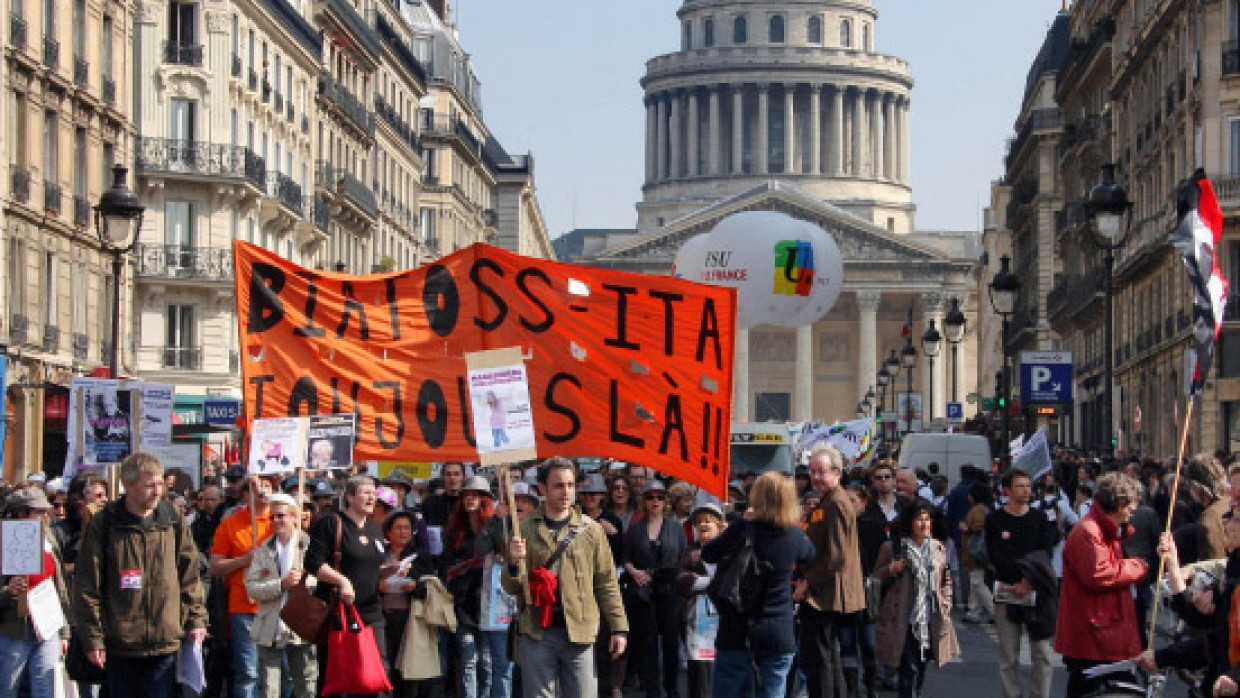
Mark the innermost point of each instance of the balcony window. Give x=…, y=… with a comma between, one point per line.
x=181, y=334
x=846, y=34
x=51, y=146
x=179, y=235
x=105, y=56
x=740, y=30
x=182, y=46
x=708, y=32
x=813, y=32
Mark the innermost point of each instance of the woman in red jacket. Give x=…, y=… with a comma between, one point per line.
x=1097, y=620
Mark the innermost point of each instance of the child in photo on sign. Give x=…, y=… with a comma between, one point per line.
x=498, y=435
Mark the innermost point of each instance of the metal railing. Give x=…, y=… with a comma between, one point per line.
x=183, y=358
x=81, y=346
x=81, y=72
x=1231, y=58
x=196, y=157
x=350, y=106
x=360, y=195
x=322, y=214
x=17, y=32
x=51, y=339
x=81, y=210
x=51, y=52
x=285, y=190
x=390, y=116
x=356, y=25
x=53, y=198
x=19, y=183
x=182, y=262
x=180, y=53
x=19, y=329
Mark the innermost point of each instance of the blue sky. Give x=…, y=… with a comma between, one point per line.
x=560, y=79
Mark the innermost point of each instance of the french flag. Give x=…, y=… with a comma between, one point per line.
x=1196, y=237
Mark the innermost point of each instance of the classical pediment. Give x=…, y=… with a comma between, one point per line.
x=859, y=240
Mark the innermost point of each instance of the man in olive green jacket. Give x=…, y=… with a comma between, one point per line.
x=556, y=644
x=136, y=592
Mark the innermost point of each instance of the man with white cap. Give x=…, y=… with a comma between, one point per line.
x=276, y=568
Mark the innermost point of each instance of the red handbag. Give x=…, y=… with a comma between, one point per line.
x=353, y=661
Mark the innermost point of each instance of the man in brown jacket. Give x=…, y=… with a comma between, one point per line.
x=835, y=590
x=136, y=592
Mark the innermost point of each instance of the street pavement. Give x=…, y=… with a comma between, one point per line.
x=976, y=672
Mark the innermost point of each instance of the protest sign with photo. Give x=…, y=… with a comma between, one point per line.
x=277, y=445
x=329, y=441
x=499, y=394
x=623, y=365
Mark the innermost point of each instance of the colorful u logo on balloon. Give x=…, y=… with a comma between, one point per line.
x=794, y=268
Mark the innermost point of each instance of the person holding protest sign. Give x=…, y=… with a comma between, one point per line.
x=570, y=578
x=695, y=576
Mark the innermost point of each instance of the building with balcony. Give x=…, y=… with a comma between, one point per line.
x=66, y=120
x=224, y=151
x=1147, y=86
x=472, y=189
x=1032, y=199
x=789, y=107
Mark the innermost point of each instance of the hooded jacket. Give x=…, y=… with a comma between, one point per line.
x=136, y=589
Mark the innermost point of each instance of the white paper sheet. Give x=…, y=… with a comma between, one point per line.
x=46, y=615
x=1124, y=667
x=189, y=666
x=21, y=547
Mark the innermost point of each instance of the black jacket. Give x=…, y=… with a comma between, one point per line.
x=1039, y=619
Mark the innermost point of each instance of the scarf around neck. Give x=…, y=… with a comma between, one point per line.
x=921, y=568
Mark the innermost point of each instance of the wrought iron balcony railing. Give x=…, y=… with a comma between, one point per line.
x=19, y=183
x=285, y=190
x=51, y=52
x=350, y=106
x=199, y=158
x=322, y=214
x=81, y=210
x=182, y=262
x=183, y=358
x=53, y=198
x=17, y=32
x=1231, y=58
x=180, y=53
x=360, y=195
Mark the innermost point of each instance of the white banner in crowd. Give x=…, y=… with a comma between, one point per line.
x=855, y=439
x=109, y=419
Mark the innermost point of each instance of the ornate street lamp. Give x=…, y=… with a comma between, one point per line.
x=118, y=217
x=953, y=327
x=1110, y=209
x=931, y=341
x=908, y=359
x=1004, y=292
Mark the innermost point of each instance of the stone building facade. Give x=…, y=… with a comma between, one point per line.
x=788, y=106
x=67, y=118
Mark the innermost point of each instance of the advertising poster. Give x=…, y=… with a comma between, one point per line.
x=499, y=396
x=329, y=441
x=902, y=412
x=277, y=445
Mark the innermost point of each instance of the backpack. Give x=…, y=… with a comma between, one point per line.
x=977, y=548
x=739, y=585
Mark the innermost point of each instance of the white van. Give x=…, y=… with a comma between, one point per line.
x=950, y=451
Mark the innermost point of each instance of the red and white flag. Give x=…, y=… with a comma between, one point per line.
x=1196, y=237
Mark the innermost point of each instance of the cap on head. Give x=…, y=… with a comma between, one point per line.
x=478, y=484
x=386, y=495
x=281, y=498
x=521, y=489
x=27, y=498
x=654, y=486
x=709, y=508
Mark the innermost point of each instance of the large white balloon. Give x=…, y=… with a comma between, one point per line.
x=689, y=258
x=787, y=272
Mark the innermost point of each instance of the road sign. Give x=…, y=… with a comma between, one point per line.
x=988, y=404
x=955, y=412
x=1045, y=377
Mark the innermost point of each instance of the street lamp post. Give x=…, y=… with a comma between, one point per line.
x=884, y=377
x=1109, y=207
x=953, y=327
x=930, y=343
x=118, y=217
x=1004, y=292
x=908, y=358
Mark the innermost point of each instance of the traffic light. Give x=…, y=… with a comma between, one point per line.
x=1002, y=402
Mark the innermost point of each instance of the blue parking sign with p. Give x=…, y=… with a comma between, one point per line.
x=955, y=411
x=1045, y=377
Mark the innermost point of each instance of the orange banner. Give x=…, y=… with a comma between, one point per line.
x=621, y=365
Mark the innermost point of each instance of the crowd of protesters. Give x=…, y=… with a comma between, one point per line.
x=608, y=582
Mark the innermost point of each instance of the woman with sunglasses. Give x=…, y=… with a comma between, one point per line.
x=620, y=500
x=654, y=546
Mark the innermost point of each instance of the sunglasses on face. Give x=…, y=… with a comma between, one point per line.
x=882, y=477
x=655, y=497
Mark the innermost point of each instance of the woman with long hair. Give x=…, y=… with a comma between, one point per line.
x=362, y=553
x=480, y=662
x=767, y=639
x=654, y=546
x=915, y=622
x=981, y=603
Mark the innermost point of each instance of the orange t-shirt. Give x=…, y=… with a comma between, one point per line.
x=233, y=538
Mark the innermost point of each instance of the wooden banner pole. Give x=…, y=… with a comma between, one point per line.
x=1175, y=490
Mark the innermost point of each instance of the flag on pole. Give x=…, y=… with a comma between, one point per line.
x=907, y=331
x=1196, y=237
